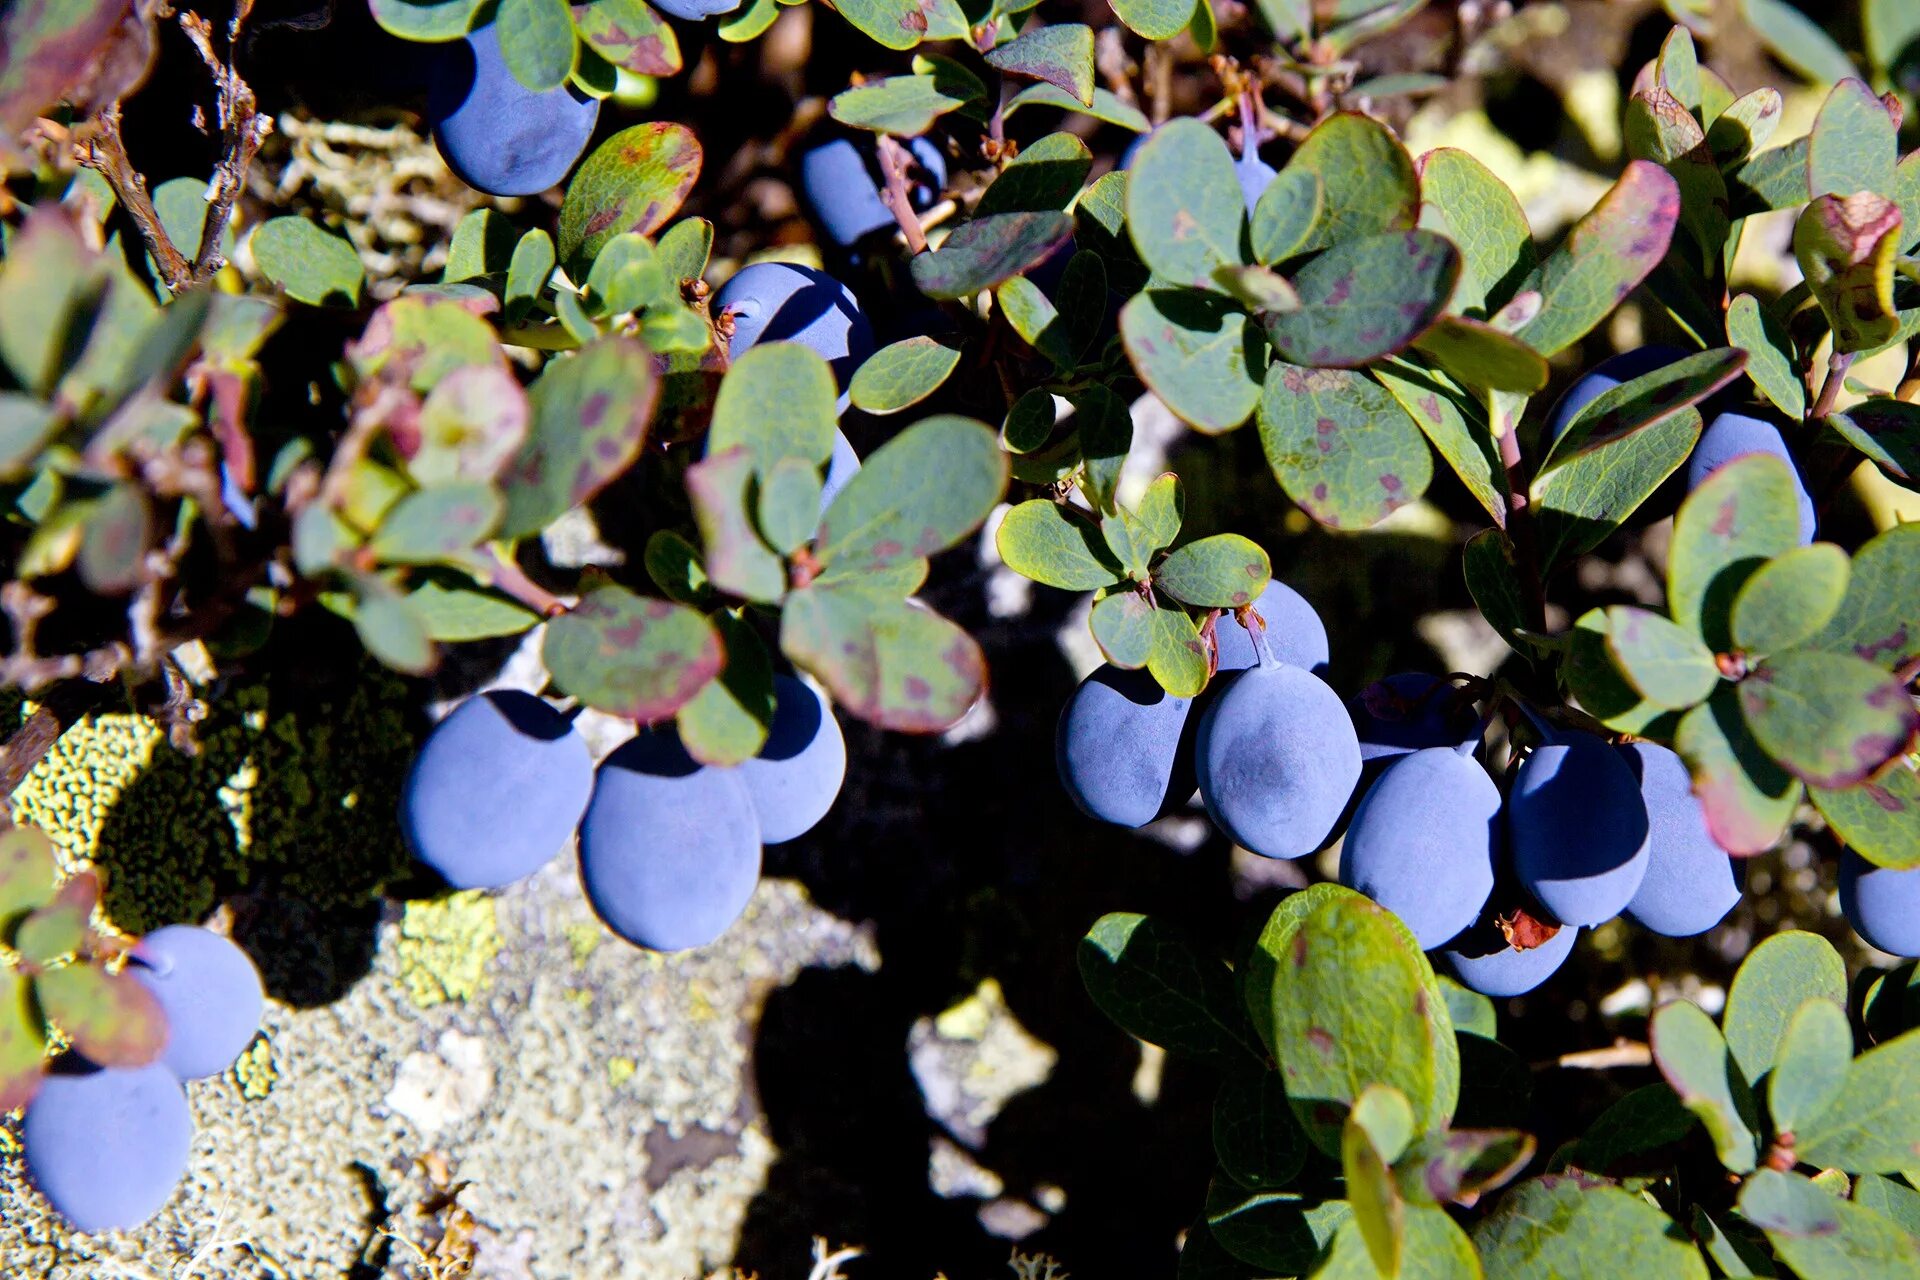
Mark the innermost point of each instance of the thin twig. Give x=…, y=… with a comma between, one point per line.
x=242, y=130
x=1837, y=365
x=507, y=576
x=104, y=151
x=893, y=162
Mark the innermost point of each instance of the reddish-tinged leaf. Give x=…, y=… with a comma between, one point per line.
x=1830, y=718
x=60, y=927
x=27, y=871
x=23, y=1041
x=1747, y=798
x=591, y=411
x=632, y=657
x=629, y=34
x=52, y=50
x=634, y=181
x=112, y=1020
x=1846, y=246
x=737, y=559
x=892, y=662
x=1604, y=257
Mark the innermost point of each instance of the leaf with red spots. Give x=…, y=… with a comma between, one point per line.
x=1331, y=1046
x=591, y=411
x=737, y=559
x=1157, y=985
x=1367, y=180
x=1365, y=298
x=1196, y=351
x=437, y=525
x=1742, y=515
x=892, y=24
x=629, y=34
x=1609, y=252
x=1663, y=129
x=630, y=656
x=1185, y=210
x=1456, y=425
x=1877, y=619
x=111, y=1019
x=23, y=1041
x=1746, y=797
x=472, y=421
x=417, y=342
x=915, y=495
x=1461, y=1165
x=1846, y=247
x=634, y=181
x=1224, y=571
x=1879, y=819
x=894, y=663
x=1831, y=719
x=1341, y=445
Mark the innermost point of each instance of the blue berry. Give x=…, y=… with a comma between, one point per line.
x=797, y=775
x=210, y=992
x=1294, y=632
x=1421, y=842
x=1578, y=828
x=494, y=132
x=1882, y=904
x=1410, y=711
x=1690, y=885
x=786, y=302
x=1734, y=435
x=1277, y=761
x=1485, y=962
x=107, y=1145
x=1118, y=747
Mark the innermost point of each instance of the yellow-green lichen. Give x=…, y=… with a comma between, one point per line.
x=582, y=938
x=445, y=946
x=620, y=1070
x=9, y=1145
x=254, y=1072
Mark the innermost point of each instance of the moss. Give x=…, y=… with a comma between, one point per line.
x=254, y=1072
x=445, y=946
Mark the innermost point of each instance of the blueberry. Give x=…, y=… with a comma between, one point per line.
x=1277, y=761
x=1882, y=904
x=1578, y=828
x=1734, y=435
x=1410, y=711
x=1294, y=632
x=797, y=775
x=210, y=992
x=494, y=132
x=1421, y=842
x=1689, y=886
x=107, y=1145
x=786, y=302
x=1485, y=962
x=1119, y=746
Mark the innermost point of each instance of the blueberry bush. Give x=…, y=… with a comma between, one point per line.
x=232, y=431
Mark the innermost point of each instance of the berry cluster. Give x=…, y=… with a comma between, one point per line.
x=107, y=1145
x=669, y=847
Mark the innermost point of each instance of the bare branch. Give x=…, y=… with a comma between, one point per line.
x=103, y=150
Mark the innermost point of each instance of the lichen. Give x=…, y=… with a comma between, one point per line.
x=582, y=938
x=445, y=947
x=254, y=1071
x=620, y=1070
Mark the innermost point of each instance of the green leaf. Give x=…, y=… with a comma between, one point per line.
x=1032, y=315
x=627, y=276
x=1667, y=664
x=1818, y=1234
x=418, y=341
x=775, y=402
x=1435, y=1249
x=893, y=663
x=634, y=181
x=1105, y=106
x=674, y=564
x=1278, y=1232
x=737, y=560
x=1286, y=214
x=1331, y=1047
x=425, y=20
x=1846, y=246
x=1796, y=40
x=1875, y=618
x=454, y=612
x=789, y=504
x=1830, y=719
x=389, y=626
x=1155, y=19
x=1258, y=1142
x=1479, y=355
x=109, y=1017
x=1198, y=353
x=1151, y=981
x=1367, y=179
x=1741, y=516
x=1606, y=255
x=893, y=24
x=1185, y=210
x=1745, y=127
x=591, y=411
x=1160, y=514
x=26, y=424
x=904, y=106
x=1367, y=297
x=1878, y=819
x=1873, y=1123
x=902, y=374
x=1777, y=977
x=1341, y=445
x=1455, y=426
x=308, y=264
x=1379, y=1214
x=629, y=34
x=1812, y=1065
x=985, y=251
x=432, y=526
x=1770, y=355
x=1134, y=631
x=1083, y=301
x=1790, y=598
x=1057, y=545
x=1224, y=571
x=1659, y=128
x=1891, y=29
x=1853, y=145
x=1030, y=420
x=1775, y=179
x=23, y=1040
x=117, y=531
x=1492, y=571
x=1471, y=207
x=1646, y=1121
x=58, y=927
x=1895, y=1201
x=1060, y=54
x=727, y=721
x=27, y=872
x=685, y=248
x=49, y=289
x=1748, y=799
x=918, y=494
x=472, y=422
x=1695, y=1060
x=1567, y=1225
x=1888, y=432
x=629, y=656
x=536, y=41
